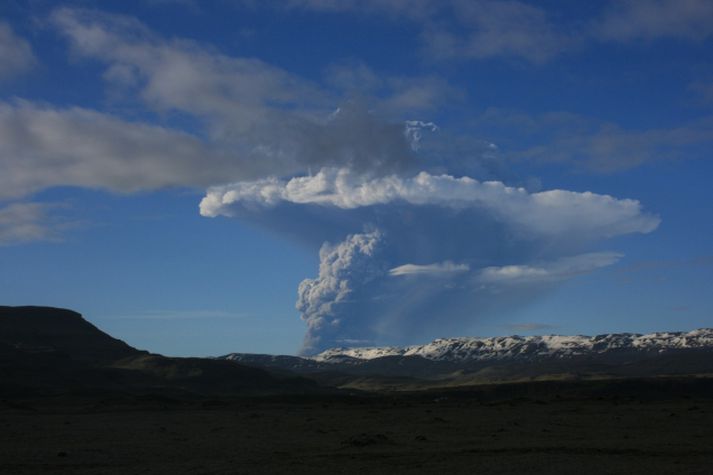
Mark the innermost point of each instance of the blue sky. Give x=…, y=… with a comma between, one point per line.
x=199, y=178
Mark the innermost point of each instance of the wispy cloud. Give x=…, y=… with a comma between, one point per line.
x=563, y=268
x=529, y=31
x=16, y=56
x=180, y=314
x=26, y=222
x=628, y=20
x=591, y=145
x=491, y=29
x=465, y=29
x=648, y=266
x=704, y=89
x=436, y=269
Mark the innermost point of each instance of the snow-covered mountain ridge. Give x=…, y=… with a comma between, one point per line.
x=517, y=347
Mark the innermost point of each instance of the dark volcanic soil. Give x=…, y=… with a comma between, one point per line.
x=440, y=433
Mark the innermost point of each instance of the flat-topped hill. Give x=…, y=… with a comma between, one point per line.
x=48, y=330
x=52, y=350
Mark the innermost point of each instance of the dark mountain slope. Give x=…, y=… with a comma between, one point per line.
x=52, y=351
x=64, y=332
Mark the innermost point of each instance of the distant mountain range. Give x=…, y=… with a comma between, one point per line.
x=530, y=347
x=462, y=361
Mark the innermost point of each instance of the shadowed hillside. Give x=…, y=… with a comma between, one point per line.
x=60, y=332
x=50, y=351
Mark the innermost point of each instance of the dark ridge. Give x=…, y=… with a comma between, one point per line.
x=47, y=330
x=50, y=351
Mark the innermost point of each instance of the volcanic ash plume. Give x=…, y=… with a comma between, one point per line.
x=409, y=254
x=422, y=232
x=344, y=270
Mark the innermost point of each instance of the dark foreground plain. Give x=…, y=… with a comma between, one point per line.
x=74, y=400
x=647, y=426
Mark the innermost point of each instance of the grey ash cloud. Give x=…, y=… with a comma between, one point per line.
x=439, y=253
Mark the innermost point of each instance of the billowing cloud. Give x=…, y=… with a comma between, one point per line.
x=344, y=270
x=443, y=252
x=553, y=212
x=16, y=55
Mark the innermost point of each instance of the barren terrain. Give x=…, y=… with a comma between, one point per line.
x=527, y=428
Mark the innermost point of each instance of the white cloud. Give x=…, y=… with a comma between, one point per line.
x=25, y=222
x=547, y=272
x=16, y=55
x=546, y=213
x=436, y=269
